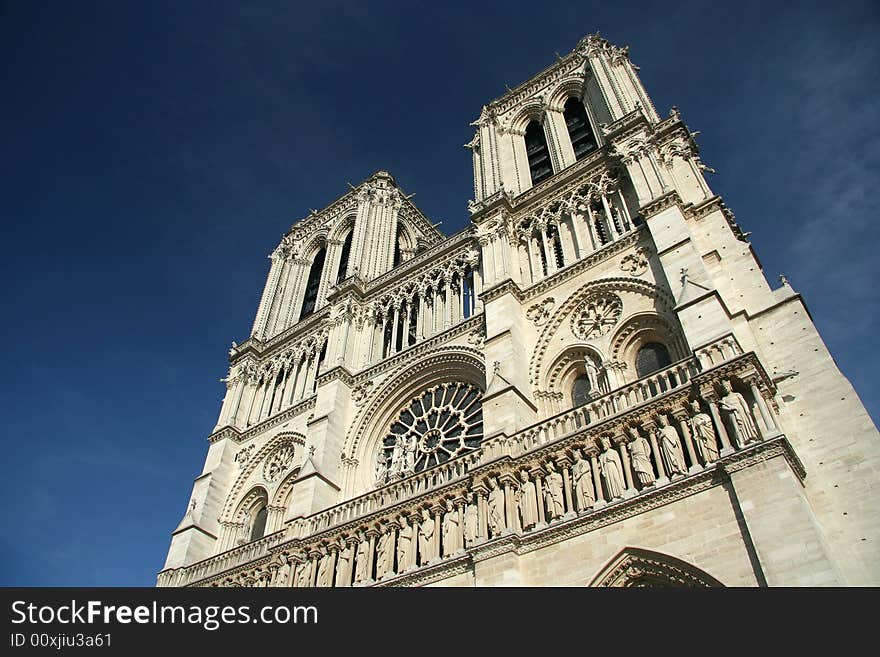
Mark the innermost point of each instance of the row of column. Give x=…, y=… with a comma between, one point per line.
x=255, y=399
x=556, y=244
x=426, y=313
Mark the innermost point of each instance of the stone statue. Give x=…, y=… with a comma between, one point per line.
x=325, y=570
x=496, y=508
x=381, y=469
x=304, y=574
x=405, y=546
x=426, y=538
x=385, y=554
x=528, y=501
x=409, y=454
x=451, y=530
x=739, y=416
x=343, y=566
x=582, y=482
x=362, y=565
x=640, y=455
x=471, y=524
x=704, y=434
x=670, y=447
x=553, y=492
x=396, y=466
x=611, y=469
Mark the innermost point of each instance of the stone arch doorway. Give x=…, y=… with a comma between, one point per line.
x=637, y=567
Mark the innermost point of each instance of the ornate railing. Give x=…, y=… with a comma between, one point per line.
x=671, y=425
x=206, y=568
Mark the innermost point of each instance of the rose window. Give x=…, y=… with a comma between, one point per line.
x=443, y=422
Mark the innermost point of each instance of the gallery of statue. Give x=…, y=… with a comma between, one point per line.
x=593, y=384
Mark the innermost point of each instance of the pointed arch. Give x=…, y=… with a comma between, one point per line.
x=638, y=567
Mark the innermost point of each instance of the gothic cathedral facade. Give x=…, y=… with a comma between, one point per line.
x=591, y=384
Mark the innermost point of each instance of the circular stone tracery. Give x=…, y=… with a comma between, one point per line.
x=278, y=462
x=596, y=315
x=443, y=422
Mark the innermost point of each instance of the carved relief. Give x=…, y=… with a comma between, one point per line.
x=540, y=312
x=244, y=455
x=636, y=263
x=597, y=315
x=278, y=463
x=360, y=394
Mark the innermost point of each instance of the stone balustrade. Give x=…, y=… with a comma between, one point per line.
x=671, y=425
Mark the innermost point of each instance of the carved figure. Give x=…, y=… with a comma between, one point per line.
x=737, y=410
x=304, y=574
x=670, y=447
x=640, y=455
x=528, y=501
x=703, y=432
x=471, y=523
x=405, y=546
x=385, y=554
x=611, y=469
x=426, y=538
x=343, y=566
x=496, y=508
x=451, y=530
x=362, y=565
x=381, y=469
x=553, y=492
x=582, y=482
x=325, y=570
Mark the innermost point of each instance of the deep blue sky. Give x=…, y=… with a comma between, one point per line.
x=154, y=153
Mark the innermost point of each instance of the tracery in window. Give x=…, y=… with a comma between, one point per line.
x=651, y=357
x=579, y=131
x=313, y=283
x=442, y=423
x=538, y=153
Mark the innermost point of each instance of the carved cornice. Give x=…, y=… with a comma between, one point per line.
x=273, y=420
x=420, y=264
x=659, y=204
x=597, y=257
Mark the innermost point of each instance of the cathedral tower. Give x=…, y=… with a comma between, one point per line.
x=591, y=384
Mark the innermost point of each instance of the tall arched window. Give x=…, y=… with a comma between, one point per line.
x=258, y=529
x=343, y=257
x=582, y=139
x=538, y=153
x=652, y=357
x=580, y=390
x=312, y=285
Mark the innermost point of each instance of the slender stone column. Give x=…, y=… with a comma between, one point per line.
x=395, y=321
x=510, y=506
x=420, y=318
x=564, y=466
x=597, y=481
x=438, y=529
x=627, y=472
x=688, y=443
x=371, y=561
x=648, y=428
x=482, y=512
x=722, y=430
x=549, y=255
x=762, y=408
x=404, y=340
x=447, y=302
x=539, y=491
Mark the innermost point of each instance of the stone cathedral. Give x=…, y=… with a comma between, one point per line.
x=593, y=384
